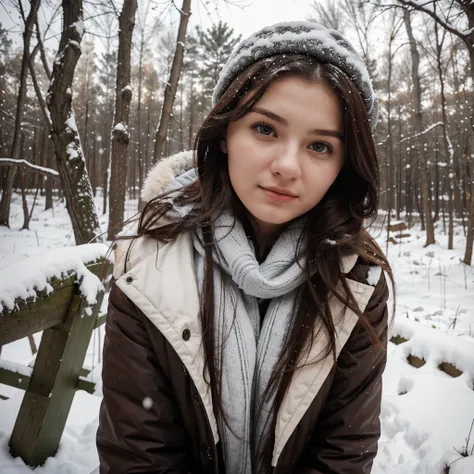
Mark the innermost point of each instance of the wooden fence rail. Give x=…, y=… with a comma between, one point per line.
x=67, y=322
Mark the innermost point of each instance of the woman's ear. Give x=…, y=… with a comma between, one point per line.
x=224, y=146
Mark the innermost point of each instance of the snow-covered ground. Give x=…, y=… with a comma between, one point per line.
x=426, y=413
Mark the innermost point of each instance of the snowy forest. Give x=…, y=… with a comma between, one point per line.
x=133, y=98
x=93, y=93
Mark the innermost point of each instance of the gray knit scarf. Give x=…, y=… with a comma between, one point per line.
x=250, y=351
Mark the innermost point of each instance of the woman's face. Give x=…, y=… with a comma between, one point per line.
x=286, y=152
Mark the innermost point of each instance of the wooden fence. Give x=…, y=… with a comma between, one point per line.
x=67, y=322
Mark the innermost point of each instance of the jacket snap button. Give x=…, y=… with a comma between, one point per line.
x=185, y=370
x=209, y=452
x=129, y=280
x=186, y=335
x=196, y=398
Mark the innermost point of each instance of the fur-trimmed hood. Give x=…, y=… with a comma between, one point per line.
x=169, y=173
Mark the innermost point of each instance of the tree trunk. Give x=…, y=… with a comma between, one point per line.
x=20, y=105
x=24, y=202
x=172, y=84
x=85, y=143
x=389, y=144
x=418, y=115
x=105, y=182
x=470, y=225
x=400, y=169
x=191, y=113
x=448, y=148
x=410, y=197
x=67, y=145
x=36, y=158
x=23, y=185
x=457, y=166
x=139, y=112
x=181, y=123
x=94, y=167
x=436, y=179
x=48, y=186
x=147, y=142
x=120, y=133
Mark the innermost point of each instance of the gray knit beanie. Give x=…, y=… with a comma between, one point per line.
x=302, y=37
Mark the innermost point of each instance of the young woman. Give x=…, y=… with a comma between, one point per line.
x=247, y=322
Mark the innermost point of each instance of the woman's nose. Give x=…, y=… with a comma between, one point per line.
x=287, y=163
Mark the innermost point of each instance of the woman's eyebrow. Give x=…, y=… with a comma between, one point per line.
x=277, y=118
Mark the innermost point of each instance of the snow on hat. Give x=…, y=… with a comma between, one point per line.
x=302, y=37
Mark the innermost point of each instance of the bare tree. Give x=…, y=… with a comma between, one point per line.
x=29, y=24
x=172, y=84
x=418, y=120
x=120, y=132
x=67, y=145
x=330, y=14
x=353, y=15
x=362, y=16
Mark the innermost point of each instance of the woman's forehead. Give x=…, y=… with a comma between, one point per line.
x=294, y=99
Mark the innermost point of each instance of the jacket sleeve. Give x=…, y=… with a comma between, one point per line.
x=345, y=437
x=140, y=430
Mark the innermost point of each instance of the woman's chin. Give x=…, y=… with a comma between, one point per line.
x=273, y=219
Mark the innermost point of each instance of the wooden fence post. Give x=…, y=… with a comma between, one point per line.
x=46, y=404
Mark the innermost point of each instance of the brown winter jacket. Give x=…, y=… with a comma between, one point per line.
x=157, y=415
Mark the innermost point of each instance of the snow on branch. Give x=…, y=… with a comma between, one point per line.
x=30, y=166
x=431, y=127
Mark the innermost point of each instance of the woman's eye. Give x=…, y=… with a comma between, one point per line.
x=320, y=147
x=263, y=128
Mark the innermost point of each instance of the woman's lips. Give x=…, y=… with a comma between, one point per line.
x=278, y=196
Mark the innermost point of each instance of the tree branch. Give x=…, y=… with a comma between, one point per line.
x=177, y=8
x=436, y=17
x=431, y=127
x=114, y=8
x=22, y=11
x=39, y=95
x=40, y=46
x=30, y=166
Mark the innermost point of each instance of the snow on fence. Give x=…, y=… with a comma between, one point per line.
x=60, y=293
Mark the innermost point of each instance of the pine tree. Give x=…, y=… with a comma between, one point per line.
x=215, y=45
x=217, y=42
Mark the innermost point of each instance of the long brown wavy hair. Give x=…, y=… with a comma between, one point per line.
x=339, y=217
